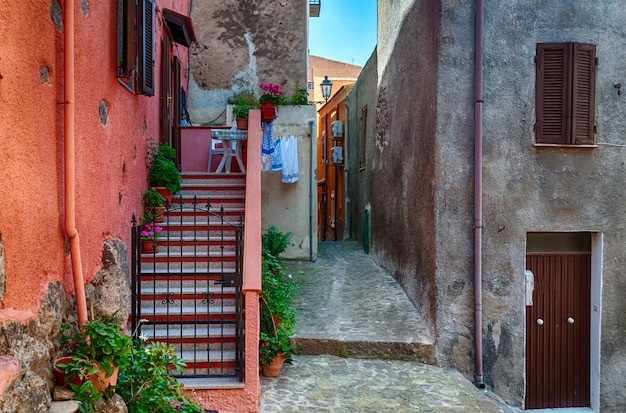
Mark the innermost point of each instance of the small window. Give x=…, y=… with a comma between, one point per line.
x=310, y=85
x=566, y=77
x=135, y=48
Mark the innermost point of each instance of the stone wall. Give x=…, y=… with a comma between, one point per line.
x=35, y=344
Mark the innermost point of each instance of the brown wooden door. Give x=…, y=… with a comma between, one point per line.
x=558, y=331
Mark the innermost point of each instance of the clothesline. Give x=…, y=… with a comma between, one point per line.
x=280, y=154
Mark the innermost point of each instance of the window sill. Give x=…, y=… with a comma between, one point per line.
x=562, y=145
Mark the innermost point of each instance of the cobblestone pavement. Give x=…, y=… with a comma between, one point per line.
x=350, y=307
x=334, y=384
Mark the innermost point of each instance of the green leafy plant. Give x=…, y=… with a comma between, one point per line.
x=300, y=97
x=275, y=242
x=162, y=169
x=243, y=101
x=152, y=199
x=276, y=298
x=100, y=347
x=240, y=111
x=145, y=382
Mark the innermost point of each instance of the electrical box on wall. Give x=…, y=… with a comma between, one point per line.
x=337, y=127
x=337, y=155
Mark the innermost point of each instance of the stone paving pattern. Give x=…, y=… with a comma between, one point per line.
x=350, y=307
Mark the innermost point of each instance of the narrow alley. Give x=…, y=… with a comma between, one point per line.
x=363, y=346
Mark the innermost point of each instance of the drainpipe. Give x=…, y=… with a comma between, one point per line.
x=70, y=161
x=478, y=191
x=311, y=122
x=346, y=168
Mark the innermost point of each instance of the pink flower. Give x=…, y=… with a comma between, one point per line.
x=150, y=232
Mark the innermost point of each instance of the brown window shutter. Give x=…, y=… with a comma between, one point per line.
x=126, y=38
x=552, y=93
x=583, y=99
x=146, y=48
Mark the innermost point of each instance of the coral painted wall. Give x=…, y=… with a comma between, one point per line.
x=112, y=129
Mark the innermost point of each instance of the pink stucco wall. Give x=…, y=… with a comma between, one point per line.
x=110, y=156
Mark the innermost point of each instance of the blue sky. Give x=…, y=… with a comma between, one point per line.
x=345, y=31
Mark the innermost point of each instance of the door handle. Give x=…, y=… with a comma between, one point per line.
x=540, y=321
x=570, y=320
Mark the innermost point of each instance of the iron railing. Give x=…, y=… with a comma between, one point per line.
x=187, y=292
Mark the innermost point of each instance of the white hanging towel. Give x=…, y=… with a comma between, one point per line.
x=289, y=152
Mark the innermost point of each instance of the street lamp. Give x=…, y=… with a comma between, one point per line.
x=327, y=87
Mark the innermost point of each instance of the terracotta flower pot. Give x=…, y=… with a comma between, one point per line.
x=273, y=369
x=268, y=111
x=165, y=193
x=148, y=247
x=242, y=124
x=160, y=212
x=100, y=382
x=59, y=375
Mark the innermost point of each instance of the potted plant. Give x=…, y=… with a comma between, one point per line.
x=145, y=382
x=276, y=304
x=162, y=171
x=271, y=96
x=243, y=102
x=153, y=204
x=240, y=112
x=99, y=348
x=149, y=237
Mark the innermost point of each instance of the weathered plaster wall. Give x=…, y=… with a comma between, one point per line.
x=241, y=44
x=424, y=191
x=362, y=96
x=286, y=206
x=526, y=188
x=400, y=162
x=550, y=189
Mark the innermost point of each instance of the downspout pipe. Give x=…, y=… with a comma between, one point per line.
x=70, y=161
x=478, y=191
x=311, y=137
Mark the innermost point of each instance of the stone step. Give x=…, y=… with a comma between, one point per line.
x=187, y=312
x=172, y=305
x=195, y=248
x=189, y=271
x=185, y=288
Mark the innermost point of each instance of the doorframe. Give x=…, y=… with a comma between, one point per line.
x=597, y=252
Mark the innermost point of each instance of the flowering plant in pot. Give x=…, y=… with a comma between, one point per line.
x=271, y=96
x=149, y=236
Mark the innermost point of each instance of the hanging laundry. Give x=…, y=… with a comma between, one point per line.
x=276, y=157
x=267, y=146
x=289, y=150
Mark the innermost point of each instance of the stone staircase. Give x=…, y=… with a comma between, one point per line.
x=188, y=291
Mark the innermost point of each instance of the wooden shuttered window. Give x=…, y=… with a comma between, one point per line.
x=146, y=48
x=135, y=45
x=566, y=93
